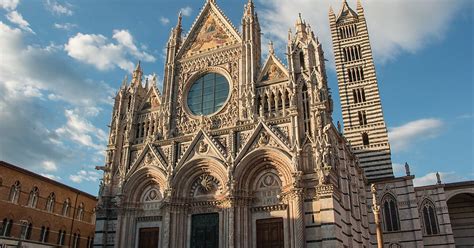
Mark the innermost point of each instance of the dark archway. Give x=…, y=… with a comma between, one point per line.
x=461, y=214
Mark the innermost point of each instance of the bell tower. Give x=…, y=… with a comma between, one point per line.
x=364, y=125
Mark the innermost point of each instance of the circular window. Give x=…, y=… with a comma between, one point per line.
x=208, y=94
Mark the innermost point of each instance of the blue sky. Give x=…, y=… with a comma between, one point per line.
x=61, y=63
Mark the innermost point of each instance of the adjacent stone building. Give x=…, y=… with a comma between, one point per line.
x=39, y=212
x=239, y=152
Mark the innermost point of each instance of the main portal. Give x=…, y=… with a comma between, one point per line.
x=270, y=233
x=205, y=231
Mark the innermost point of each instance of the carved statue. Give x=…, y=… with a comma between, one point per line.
x=203, y=147
x=407, y=169
x=264, y=139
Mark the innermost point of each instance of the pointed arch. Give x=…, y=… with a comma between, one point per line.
x=259, y=160
x=50, y=202
x=390, y=213
x=15, y=191
x=142, y=178
x=33, y=197
x=187, y=174
x=429, y=217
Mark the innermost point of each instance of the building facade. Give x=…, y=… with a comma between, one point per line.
x=238, y=152
x=39, y=212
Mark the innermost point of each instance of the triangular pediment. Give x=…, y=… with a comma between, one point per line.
x=273, y=70
x=151, y=100
x=211, y=30
x=203, y=145
x=149, y=157
x=264, y=136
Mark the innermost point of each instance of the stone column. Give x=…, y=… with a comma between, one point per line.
x=299, y=225
x=378, y=223
x=166, y=226
x=231, y=210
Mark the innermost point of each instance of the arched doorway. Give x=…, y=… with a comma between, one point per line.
x=461, y=214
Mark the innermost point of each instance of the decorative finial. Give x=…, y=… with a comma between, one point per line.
x=289, y=34
x=373, y=190
x=339, y=129
x=270, y=47
x=407, y=169
x=180, y=17
x=300, y=20
x=438, y=178
x=376, y=211
x=138, y=67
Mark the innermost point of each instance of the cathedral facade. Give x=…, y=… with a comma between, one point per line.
x=239, y=152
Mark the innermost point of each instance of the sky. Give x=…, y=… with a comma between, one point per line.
x=62, y=62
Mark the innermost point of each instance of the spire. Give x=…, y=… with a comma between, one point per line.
x=138, y=67
x=300, y=27
x=137, y=74
x=360, y=9
x=299, y=20
x=180, y=17
x=250, y=9
x=346, y=10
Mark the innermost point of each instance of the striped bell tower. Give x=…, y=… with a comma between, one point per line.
x=364, y=125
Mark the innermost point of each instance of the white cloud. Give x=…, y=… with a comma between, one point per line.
x=64, y=26
x=9, y=4
x=83, y=175
x=49, y=165
x=186, y=11
x=81, y=131
x=17, y=19
x=402, y=137
x=95, y=49
x=394, y=26
x=51, y=176
x=164, y=20
x=59, y=9
x=29, y=70
x=30, y=77
x=430, y=178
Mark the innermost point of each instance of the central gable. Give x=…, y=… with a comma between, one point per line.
x=211, y=31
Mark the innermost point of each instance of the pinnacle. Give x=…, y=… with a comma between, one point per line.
x=138, y=67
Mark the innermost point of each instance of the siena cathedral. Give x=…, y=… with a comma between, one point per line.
x=242, y=152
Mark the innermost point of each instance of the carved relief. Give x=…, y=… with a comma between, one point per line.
x=203, y=147
x=152, y=194
x=205, y=185
x=268, y=190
